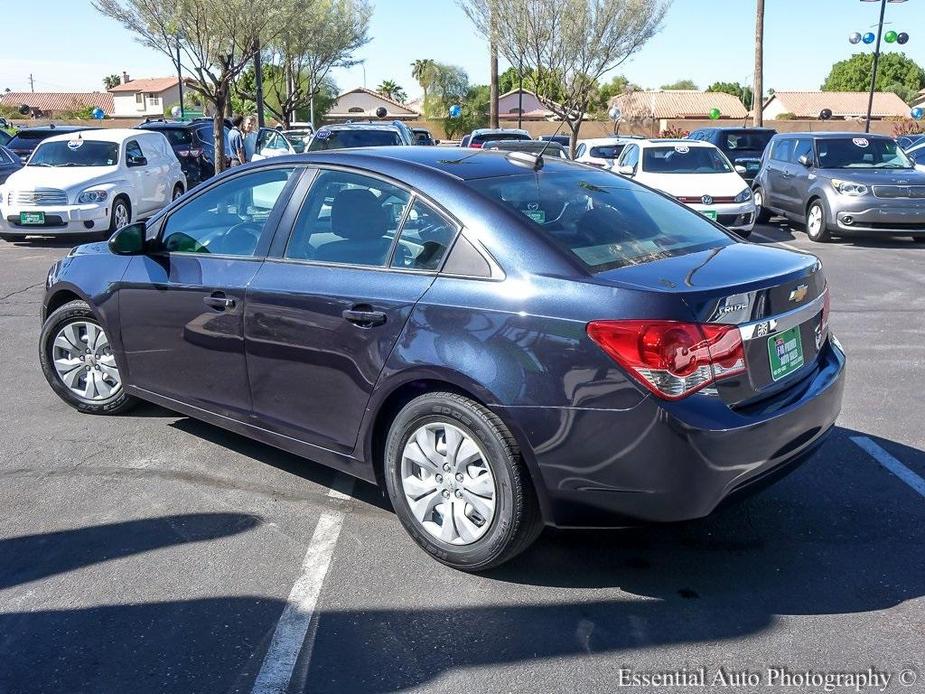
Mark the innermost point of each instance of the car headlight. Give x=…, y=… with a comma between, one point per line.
x=92, y=196
x=849, y=188
x=744, y=196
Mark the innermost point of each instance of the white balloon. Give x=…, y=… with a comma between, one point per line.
x=854, y=38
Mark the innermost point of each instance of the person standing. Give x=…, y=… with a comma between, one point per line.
x=250, y=137
x=236, y=142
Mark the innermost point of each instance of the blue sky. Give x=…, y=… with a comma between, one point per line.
x=70, y=46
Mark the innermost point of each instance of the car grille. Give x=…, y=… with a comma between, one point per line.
x=45, y=196
x=915, y=192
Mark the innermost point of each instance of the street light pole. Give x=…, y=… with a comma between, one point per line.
x=873, y=79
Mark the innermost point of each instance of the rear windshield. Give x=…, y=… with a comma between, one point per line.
x=681, y=159
x=497, y=137
x=27, y=138
x=76, y=152
x=860, y=153
x=175, y=136
x=751, y=140
x=603, y=220
x=339, y=139
x=607, y=151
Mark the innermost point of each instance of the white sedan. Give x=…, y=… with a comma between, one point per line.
x=90, y=182
x=697, y=174
x=601, y=152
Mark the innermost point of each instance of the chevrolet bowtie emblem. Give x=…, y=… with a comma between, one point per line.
x=799, y=293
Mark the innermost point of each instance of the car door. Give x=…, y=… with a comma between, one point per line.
x=159, y=155
x=803, y=175
x=140, y=178
x=182, y=305
x=325, y=310
x=776, y=178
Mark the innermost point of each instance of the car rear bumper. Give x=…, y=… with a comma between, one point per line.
x=673, y=461
x=59, y=219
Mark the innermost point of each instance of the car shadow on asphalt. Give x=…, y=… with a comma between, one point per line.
x=784, y=231
x=838, y=536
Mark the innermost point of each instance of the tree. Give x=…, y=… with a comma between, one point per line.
x=853, y=74
x=743, y=92
x=216, y=40
x=319, y=35
x=681, y=84
x=110, y=81
x=450, y=86
x=568, y=45
x=476, y=112
x=424, y=70
x=392, y=90
x=903, y=92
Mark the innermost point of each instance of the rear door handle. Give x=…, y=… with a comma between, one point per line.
x=363, y=318
x=219, y=301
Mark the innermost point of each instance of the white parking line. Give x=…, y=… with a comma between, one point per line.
x=779, y=243
x=292, y=628
x=890, y=463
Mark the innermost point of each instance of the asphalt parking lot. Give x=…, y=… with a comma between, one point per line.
x=154, y=553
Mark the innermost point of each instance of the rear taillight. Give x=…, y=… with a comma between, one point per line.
x=476, y=145
x=194, y=151
x=670, y=358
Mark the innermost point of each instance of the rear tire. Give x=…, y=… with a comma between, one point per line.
x=762, y=214
x=470, y=503
x=817, y=225
x=78, y=362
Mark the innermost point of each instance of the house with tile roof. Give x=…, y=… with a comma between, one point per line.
x=843, y=105
x=666, y=104
x=361, y=103
x=56, y=104
x=144, y=97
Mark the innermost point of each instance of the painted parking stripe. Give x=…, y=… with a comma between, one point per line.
x=891, y=463
x=292, y=628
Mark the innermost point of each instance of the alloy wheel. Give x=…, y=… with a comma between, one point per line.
x=448, y=483
x=814, y=221
x=84, y=361
x=120, y=215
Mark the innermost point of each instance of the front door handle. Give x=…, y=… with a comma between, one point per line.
x=219, y=301
x=363, y=318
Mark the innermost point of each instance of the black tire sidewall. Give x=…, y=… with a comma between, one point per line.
x=762, y=214
x=823, y=234
x=487, y=551
x=69, y=312
x=112, y=216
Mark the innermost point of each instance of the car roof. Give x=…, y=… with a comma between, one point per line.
x=616, y=140
x=396, y=161
x=833, y=135
x=54, y=129
x=162, y=124
x=118, y=135
x=359, y=126
x=656, y=142
x=484, y=131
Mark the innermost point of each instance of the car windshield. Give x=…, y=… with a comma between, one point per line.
x=746, y=140
x=175, y=136
x=606, y=151
x=682, y=159
x=76, y=152
x=860, y=153
x=497, y=137
x=340, y=139
x=604, y=221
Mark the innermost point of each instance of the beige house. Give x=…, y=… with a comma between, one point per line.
x=526, y=103
x=56, y=104
x=362, y=103
x=663, y=105
x=843, y=105
x=149, y=97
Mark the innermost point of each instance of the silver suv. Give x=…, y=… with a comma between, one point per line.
x=840, y=184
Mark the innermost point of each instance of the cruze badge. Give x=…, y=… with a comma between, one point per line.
x=799, y=293
x=706, y=200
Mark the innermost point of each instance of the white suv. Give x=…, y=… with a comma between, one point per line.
x=90, y=182
x=695, y=173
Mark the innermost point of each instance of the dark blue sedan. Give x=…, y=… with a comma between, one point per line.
x=501, y=342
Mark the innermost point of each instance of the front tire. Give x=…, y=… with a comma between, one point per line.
x=762, y=213
x=817, y=228
x=458, y=483
x=177, y=192
x=120, y=215
x=78, y=362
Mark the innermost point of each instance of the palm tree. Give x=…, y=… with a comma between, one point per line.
x=392, y=90
x=758, y=91
x=110, y=81
x=424, y=70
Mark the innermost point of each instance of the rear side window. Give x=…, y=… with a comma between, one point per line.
x=424, y=240
x=782, y=150
x=602, y=220
x=177, y=136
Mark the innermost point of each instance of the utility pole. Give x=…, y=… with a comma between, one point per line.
x=520, y=93
x=758, y=86
x=31, y=83
x=873, y=79
x=493, y=97
x=180, y=81
x=258, y=76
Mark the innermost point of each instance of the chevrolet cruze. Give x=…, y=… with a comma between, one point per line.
x=501, y=341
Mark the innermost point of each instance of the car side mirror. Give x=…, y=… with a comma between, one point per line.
x=626, y=170
x=740, y=169
x=129, y=240
x=137, y=161
x=436, y=142
x=805, y=160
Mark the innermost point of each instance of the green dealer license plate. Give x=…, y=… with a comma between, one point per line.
x=785, y=351
x=31, y=217
x=709, y=214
